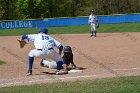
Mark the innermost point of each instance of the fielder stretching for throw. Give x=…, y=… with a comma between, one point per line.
x=44, y=48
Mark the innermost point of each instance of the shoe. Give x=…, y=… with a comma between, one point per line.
x=56, y=71
x=91, y=35
x=28, y=74
x=41, y=63
x=61, y=72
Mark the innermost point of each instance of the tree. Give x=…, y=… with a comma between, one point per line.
x=9, y=9
x=21, y=9
x=1, y=11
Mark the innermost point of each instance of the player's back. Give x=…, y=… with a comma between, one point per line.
x=43, y=41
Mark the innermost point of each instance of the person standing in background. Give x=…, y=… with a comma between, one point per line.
x=93, y=21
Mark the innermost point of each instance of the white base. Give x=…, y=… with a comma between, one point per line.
x=74, y=71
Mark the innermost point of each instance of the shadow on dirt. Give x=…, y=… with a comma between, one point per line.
x=104, y=36
x=53, y=73
x=50, y=73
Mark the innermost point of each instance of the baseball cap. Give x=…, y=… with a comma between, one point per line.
x=43, y=30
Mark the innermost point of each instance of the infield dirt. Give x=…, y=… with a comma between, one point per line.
x=107, y=55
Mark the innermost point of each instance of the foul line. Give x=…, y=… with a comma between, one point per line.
x=34, y=81
x=126, y=69
x=26, y=81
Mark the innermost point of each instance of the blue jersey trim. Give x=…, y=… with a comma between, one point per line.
x=60, y=47
x=24, y=37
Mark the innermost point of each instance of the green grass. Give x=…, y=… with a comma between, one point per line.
x=125, y=27
x=2, y=62
x=14, y=32
x=109, y=85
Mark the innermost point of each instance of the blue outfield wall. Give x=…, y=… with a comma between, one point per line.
x=119, y=19
x=76, y=21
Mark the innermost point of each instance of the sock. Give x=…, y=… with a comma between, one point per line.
x=95, y=33
x=91, y=32
x=30, y=64
x=59, y=65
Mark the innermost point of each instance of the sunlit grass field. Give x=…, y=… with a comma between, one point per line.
x=107, y=28
x=108, y=85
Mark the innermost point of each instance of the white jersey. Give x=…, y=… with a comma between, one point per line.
x=44, y=47
x=92, y=19
x=43, y=41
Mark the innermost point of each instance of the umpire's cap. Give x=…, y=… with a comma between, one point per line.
x=67, y=49
x=43, y=30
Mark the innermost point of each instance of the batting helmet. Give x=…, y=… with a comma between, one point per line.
x=67, y=49
x=43, y=30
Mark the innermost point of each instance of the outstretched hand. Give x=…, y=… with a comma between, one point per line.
x=22, y=43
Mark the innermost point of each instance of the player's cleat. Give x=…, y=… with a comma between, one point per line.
x=91, y=35
x=28, y=74
x=61, y=72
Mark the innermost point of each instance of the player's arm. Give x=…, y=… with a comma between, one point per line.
x=60, y=49
x=28, y=38
x=59, y=46
x=96, y=18
x=89, y=19
x=22, y=41
x=72, y=63
x=97, y=24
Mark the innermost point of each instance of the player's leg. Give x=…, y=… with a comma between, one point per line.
x=59, y=61
x=54, y=56
x=91, y=27
x=30, y=63
x=32, y=54
x=94, y=30
x=49, y=64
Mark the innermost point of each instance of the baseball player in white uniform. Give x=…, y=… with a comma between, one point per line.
x=93, y=22
x=44, y=48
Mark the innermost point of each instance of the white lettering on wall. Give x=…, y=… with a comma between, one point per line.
x=7, y=25
x=2, y=25
x=16, y=24
x=30, y=24
x=20, y=24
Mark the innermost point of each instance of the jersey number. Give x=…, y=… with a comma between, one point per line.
x=45, y=38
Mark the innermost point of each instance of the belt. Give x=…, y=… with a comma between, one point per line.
x=48, y=49
x=39, y=49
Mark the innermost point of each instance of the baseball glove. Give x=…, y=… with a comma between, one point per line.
x=97, y=25
x=22, y=43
